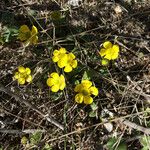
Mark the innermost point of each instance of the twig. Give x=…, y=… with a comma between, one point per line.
x=18, y=98
x=135, y=126
x=26, y=131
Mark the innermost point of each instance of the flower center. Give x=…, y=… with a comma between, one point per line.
x=23, y=75
x=57, y=82
x=85, y=92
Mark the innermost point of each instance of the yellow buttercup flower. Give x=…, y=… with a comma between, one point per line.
x=64, y=59
x=58, y=55
x=23, y=75
x=85, y=90
x=71, y=62
x=109, y=51
x=28, y=36
x=56, y=82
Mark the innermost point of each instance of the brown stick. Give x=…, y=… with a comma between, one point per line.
x=135, y=126
x=18, y=98
x=26, y=131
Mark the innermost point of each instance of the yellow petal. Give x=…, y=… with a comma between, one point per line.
x=29, y=78
x=28, y=71
x=55, y=88
x=24, y=29
x=115, y=52
x=62, y=62
x=34, y=40
x=114, y=56
x=68, y=68
x=79, y=98
x=56, y=52
x=94, y=90
x=24, y=33
x=22, y=37
x=21, y=81
x=63, y=57
x=62, y=50
x=21, y=69
x=16, y=76
x=88, y=100
x=108, y=55
x=55, y=58
x=71, y=55
x=107, y=44
x=50, y=82
x=102, y=52
x=62, y=78
x=115, y=48
x=62, y=85
x=74, y=63
x=54, y=75
x=86, y=83
x=34, y=31
x=62, y=82
x=78, y=88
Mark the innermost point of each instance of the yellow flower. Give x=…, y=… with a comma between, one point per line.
x=71, y=62
x=59, y=56
x=85, y=90
x=64, y=59
x=27, y=36
x=56, y=82
x=23, y=75
x=109, y=51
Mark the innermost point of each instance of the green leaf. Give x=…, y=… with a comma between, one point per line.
x=86, y=76
x=1, y=148
x=94, y=106
x=8, y=33
x=145, y=141
x=56, y=96
x=92, y=114
x=111, y=145
x=145, y=148
x=35, y=138
x=47, y=147
x=103, y=71
x=77, y=82
x=122, y=146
